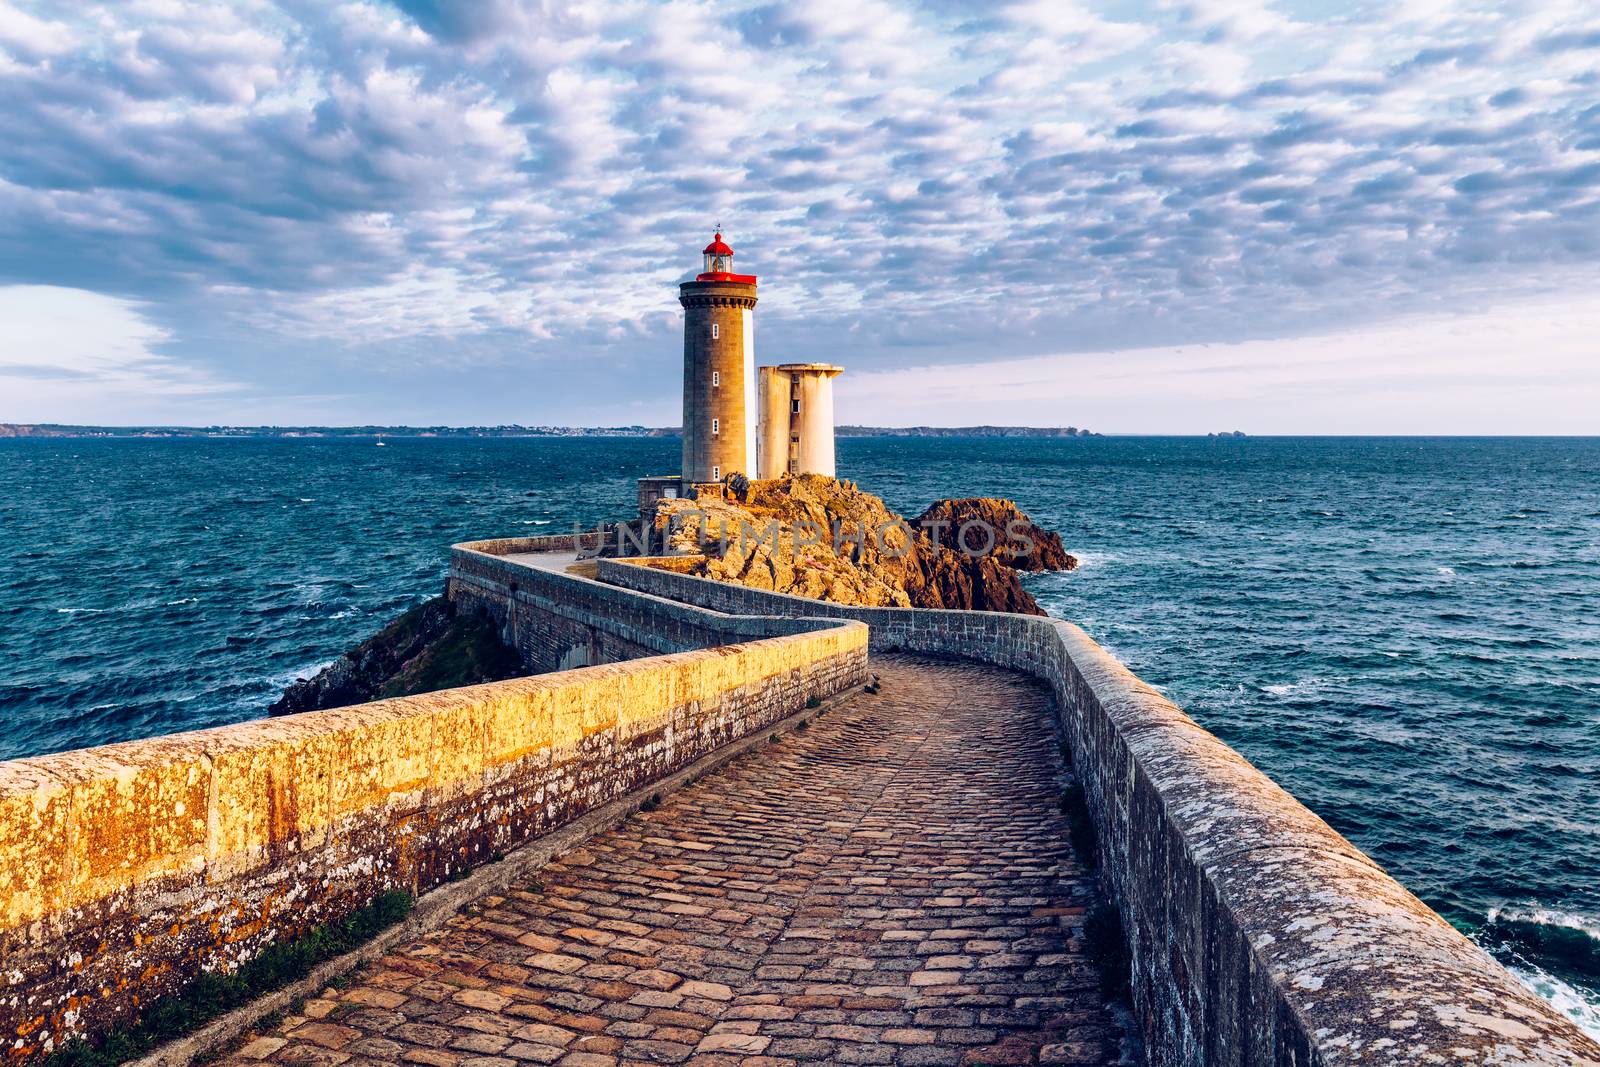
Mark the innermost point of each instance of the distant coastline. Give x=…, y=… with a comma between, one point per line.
x=14, y=430
x=962, y=431
x=257, y=432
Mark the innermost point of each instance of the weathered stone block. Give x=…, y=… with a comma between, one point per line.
x=274, y=779
x=138, y=811
x=33, y=843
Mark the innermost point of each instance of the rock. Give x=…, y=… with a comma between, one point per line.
x=1017, y=541
x=814, y=536
x=430, y=647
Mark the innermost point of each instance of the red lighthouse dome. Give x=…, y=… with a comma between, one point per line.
x=719, y=264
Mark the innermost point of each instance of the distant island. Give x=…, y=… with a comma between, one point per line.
x=49, y=429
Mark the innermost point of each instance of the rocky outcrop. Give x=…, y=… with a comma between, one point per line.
x=1016, y=540
x=430, y=647
x=813, y=536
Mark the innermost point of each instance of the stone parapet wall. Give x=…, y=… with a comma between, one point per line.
x=1258, y=934
x=128, y=869
x=557, y=620
x=585, y=540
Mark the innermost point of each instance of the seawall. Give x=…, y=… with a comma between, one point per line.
x=1258, y=934
x=556, y=620
x=127, y=870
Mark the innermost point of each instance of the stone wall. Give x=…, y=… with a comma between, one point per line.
x=557, y=620
x=1259, y=935
x=126, y=870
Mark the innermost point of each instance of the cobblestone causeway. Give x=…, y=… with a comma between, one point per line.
x=891, y=885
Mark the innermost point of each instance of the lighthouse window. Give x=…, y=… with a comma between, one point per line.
x=716, y=378
x=715, y=327
x=716, y=474
x=716, y=426
x=795, y=407
x=794, y=439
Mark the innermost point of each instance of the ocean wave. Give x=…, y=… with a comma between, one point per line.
x=283, y=679
x=1554, y=952
x=1533, y=915
x=1582, y=1006
x=1088, y=558
x=1287, y=689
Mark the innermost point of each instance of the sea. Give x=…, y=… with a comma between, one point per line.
x=1403, y=632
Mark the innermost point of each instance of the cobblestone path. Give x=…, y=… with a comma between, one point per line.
x=892, y=885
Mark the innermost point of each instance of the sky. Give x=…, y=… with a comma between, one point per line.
x=1306, y=216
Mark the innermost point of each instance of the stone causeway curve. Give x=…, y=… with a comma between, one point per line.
x=891, y=883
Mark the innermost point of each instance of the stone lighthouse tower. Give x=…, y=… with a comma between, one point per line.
x=719, y=370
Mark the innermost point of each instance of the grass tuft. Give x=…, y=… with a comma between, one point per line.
x=212, y=995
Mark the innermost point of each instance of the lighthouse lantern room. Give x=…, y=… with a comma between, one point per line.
x=719, y=264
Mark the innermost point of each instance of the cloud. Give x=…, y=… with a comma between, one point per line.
x=31, y=38
x=944, y=182
x=1521, y=368
x=76, y=356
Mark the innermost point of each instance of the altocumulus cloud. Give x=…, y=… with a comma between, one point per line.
x=399, y=203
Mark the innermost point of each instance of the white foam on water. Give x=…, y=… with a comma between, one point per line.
x=1284, y=689
x=1579, y=1005
x=1542, y=916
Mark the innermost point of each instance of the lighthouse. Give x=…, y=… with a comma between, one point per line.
x=719, y=370
x=764, y=423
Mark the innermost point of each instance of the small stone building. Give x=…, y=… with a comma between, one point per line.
x=794, y=433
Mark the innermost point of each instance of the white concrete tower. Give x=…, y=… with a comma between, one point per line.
x=794, y=434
